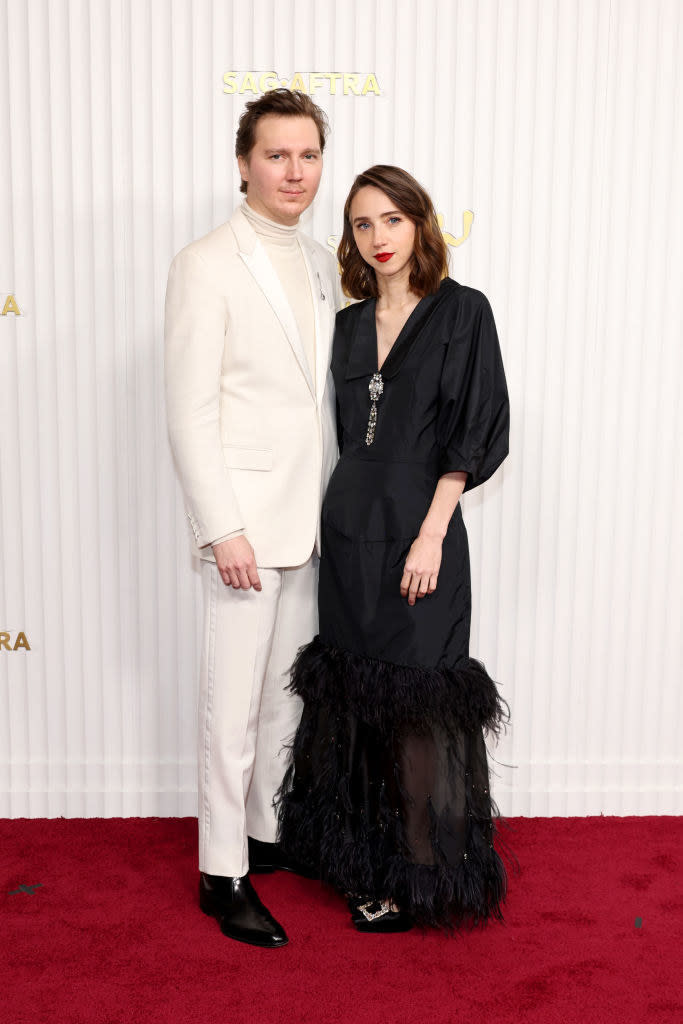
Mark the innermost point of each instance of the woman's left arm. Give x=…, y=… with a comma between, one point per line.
x=471, y=432
x=422, y=566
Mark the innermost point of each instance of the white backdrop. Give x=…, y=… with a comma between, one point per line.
x=558, y=124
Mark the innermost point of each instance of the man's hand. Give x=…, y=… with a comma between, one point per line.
x=236, y=563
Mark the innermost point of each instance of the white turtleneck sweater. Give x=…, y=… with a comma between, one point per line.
x=284, y=252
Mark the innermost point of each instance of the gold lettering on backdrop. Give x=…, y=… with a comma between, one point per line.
x=312, y=83
x=249, y=84
x=21, y=642
x=450, y=239
x=334, y=77
x=371, y=85
x=230, y=82
x=351, y=84
x=315, y=80
x=268, y=81
x=10, y=306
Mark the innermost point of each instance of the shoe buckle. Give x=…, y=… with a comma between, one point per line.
x=371, y=914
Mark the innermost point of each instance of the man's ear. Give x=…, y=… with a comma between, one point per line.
x=243, y=165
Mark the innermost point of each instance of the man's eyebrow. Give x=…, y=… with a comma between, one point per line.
x=283, y=149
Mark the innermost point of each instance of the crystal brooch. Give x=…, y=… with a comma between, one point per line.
x=376, y=389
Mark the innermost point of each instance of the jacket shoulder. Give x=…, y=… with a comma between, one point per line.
x=215, y=245
x=321, y=253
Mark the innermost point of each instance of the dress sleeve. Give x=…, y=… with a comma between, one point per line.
x=474, y=417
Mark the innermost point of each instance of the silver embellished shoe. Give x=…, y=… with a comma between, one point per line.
x=378, y=916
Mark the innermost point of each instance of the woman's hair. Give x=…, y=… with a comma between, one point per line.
x=281, y=103
x=430, y=260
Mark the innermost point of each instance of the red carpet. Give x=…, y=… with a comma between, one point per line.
x=113, y=935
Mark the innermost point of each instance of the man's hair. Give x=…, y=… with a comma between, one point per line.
x=281, y=103
x=430, y=256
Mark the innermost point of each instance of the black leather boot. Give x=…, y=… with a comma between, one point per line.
x=267, y=857
x=240, y=913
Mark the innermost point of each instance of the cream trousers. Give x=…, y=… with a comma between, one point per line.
x=246, y=716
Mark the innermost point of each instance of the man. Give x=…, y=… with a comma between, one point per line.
x=249, y=317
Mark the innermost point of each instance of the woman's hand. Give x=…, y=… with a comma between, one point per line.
x=422, y=566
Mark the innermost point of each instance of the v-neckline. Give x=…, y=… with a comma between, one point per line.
x=398, y=336
x=363, y=356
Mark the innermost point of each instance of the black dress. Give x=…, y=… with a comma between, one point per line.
x=387, y=793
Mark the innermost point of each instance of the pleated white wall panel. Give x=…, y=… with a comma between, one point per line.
x=558, y=125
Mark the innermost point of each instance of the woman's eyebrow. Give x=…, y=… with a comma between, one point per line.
x=389, y=213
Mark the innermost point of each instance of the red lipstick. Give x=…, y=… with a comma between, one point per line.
x=383, y=256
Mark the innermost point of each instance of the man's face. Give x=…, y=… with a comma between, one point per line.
x=284, y=167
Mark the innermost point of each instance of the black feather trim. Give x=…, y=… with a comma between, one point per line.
x=388, y=695
x=388, y=793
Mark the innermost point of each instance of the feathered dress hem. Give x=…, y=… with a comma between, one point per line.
x=387, y=793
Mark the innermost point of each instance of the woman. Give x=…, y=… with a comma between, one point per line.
x=387, y=795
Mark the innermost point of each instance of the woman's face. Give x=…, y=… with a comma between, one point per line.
x=384, y=235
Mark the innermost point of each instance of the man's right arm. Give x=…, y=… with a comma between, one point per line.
x=195, y=324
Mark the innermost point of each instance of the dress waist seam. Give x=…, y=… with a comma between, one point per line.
x=429, y=463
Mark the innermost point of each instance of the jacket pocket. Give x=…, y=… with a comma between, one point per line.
x=241, y=456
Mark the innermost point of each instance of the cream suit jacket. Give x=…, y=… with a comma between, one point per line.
x=253, y=434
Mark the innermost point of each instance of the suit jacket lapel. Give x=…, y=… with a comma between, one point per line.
x=323, y=310
x=256, y=259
